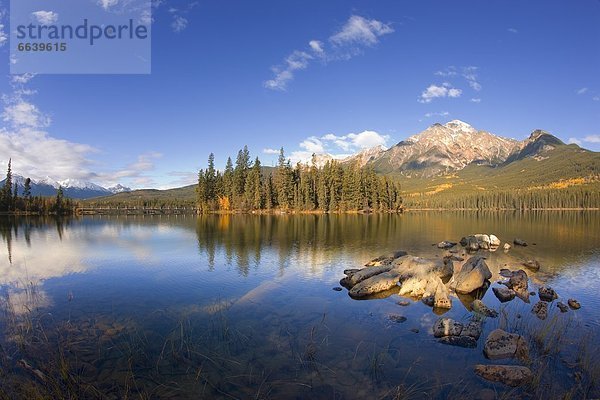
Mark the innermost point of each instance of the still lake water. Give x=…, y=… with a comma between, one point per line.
x=242, y=306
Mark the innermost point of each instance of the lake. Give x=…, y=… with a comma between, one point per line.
x=243, y=306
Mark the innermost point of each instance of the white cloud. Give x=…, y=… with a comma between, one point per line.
x=437, y=114
x=435, y=91
x=512, y=30
x=592, y=139
x=357, y=33
x=470, y=74
x=582, y=90
x=106, y=4
x=3, y=36
x=312, y=145
x=179, y=23
x=450, y=71
x=360, y=31
x=475, y=100
x=45, y=17
x=357, y=141
x=270, y=151
x=316, y=46
x=22, y=114
x=22, y=78
x=574, y=140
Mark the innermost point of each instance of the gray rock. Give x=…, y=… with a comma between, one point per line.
x=410, y=266
x=520, y=242
x=507, y=273
x=518, y=282
x=375, y=284
x=472, y=329
x=386, y=259
x=540, y=309
x=562, y=306
x=504, y=294
x=351, y=271
x=366, y=273
x=472, y=276
x=447, y=327
x=511, y=375
x=403, y=303
x=546, y=293
x=482, y=309
x=533, y=265
x=461, y=341
x=501, y=344
x=574, y=304
x=397, y=318
x=470, y=243
x=446, y=244
x=337, y=289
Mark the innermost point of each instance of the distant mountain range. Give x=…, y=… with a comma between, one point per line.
x=73, y=188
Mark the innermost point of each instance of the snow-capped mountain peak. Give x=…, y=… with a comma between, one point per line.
x=458, y=125
x=80, y=184
x=118, y=188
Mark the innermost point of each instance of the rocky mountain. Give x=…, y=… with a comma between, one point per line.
x=73, y=188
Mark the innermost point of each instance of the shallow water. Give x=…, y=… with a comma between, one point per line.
x=242, y=306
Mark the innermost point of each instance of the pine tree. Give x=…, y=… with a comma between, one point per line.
x=253, y=190
x=6, y=191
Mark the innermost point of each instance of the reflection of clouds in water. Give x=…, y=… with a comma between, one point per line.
x=427, y=321
x=21, y=300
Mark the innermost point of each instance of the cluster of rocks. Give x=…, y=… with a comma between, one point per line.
x=504, y=345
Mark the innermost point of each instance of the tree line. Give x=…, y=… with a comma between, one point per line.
x=332, y=187
x=11, y=201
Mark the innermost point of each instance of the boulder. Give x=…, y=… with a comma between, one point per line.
x=351, y=271
x=441, y=296
x=413, y=287
x=375, y=284
x=504, y=294
x=446, y=244
x=386, y=259
x=483, y=241
x=410, y=266
x=518, y=282
x=507, y=273
x=540, y=309
x=397, y=318
x=447, y=327
x=366, y=273
x=533, y=265
x=460, y=341
x=546, y=293
x=506, y=246
x=494, y=241
x=482, y=309
x=470, y=243
x=511, y=375
x=520, y=242
x=472, y=329
x=574, y=304
x=472, y=275
x=501, y=344
x=562, y=306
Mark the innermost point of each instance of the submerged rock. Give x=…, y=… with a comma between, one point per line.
x=518, y=282
x=375, y=284
x=562, y=306
x=461, y=341
x=540, y=309
x=403, y=303
x=338, y=289
x=546, y=293
x=574, y=304
x=533, y=265
x=520, y=242
x=504, y=294
x=482, y=309
x=386, y=259
x=501, y=344
x=447, y=327
x=511, y=375
x=397, y=318
x=472, y=276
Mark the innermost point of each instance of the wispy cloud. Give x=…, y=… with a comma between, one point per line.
x=434, y=91
x=179, y=23
x=592, y=139
x=107, y=4
x=574, y=140
x=512, y=30
x=582, y=90
x=470, y=74
x=475, y=100
x=45, y=17
x=357, y=34
x=270, y=151
x=437, y=114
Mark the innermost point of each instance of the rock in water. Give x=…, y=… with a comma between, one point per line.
x=472, y=329
x=460, y=341
x=446, y=244
x=385, y=259
x=447, y=327
x=337, y=289
x=375, y=284
x=511, y=375
x=501, y=344
x=540, y=309
x=504, y=294
x=494, y=241
x=482, y=309
x=574, y=304
x=562, y=306
x=365, y=273
x=397, y=318
x=546, y=293
x=472, y=276
x=520, y=242
x=518, y=283
x=533, y=265
x=506, y=246
x=351, y=271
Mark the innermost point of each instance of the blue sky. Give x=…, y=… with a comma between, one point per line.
x=336, y=76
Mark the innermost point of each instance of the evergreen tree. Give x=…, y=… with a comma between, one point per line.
x=6, y=191
x=253, y=191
